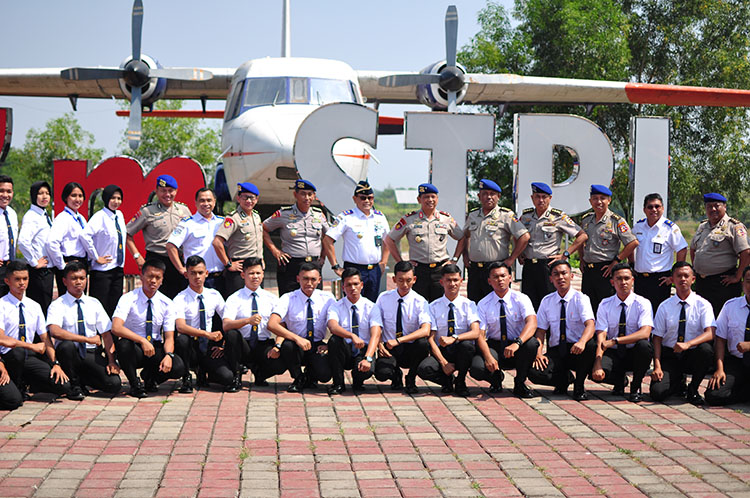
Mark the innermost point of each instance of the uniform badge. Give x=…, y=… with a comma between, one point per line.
x=135, y=216
x=276, y=214
x=417, y=239
x=228, y=222
x=741, y=232
x=622, y=226
x=657, y=248
x=400, y=224
x=293, y=233
x=716, y=243
x=359, y=235
x=605, y=242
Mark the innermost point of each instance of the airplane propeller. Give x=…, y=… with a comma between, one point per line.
x=136, y=74
x=450, y=78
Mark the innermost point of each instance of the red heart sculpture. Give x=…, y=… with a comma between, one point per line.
x=6, y=127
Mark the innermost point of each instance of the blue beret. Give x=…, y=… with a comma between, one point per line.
x=304, y=185
x=166, y=181
x=247, y=187
x=714, y=197
x=485, y=184
x=541, y=188
x=427, y=188
x=600, y=189
x=363, y=188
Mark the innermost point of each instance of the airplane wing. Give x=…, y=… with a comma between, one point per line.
x=46, y=82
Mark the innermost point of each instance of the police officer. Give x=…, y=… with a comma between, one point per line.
x=660, y=241
x=242, y=234
x=716, y=245
x=546, y=226
x=427, y=231
x=158, y=220
x=302, y=227
x=363, y=229
x=9, y=230
x=601, y=251
x=487, y=235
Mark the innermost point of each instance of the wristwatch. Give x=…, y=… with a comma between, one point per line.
x=277, y=346
x=336, y=267
x=455, y=336
x=136, y=255
x=57, y=363
x=617, y=258
x=228, y=265
x=616, y=341
x=368, y=359
x=171, y=355
x=566, y=254
x=519, y=341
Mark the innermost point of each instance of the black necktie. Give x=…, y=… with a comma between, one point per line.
x=746, y=356
x=120, y=251
x=621, y=331
x=451, y=320
x=81, y=330
x=254, y=329
x=503, y=325
x=355, y=328
x=399, y=318
x=149, y=322
x=49, y=220
x=11, y=240
x=681, y=323
x=202, y=341
x=563, y=329
x=310, y=321
x=22, y=328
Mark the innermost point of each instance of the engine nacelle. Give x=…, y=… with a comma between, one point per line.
x=432, y=95
x=155, y=87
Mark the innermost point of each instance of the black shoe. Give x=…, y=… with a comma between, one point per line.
x=523, y=391
x=244, y=369
x=496, y=388
x=580, y=395
x=635, y=397
x=137, y=391
x=411, y=389
x=358, y=387
x=397, y=383
x=25, y=394
x=447, y=386
x=560, y=390
x=461, y=389
x=85, y=391
x=76, y=394
x=235, y=386
x=297, y=386
x=151, y=386
x=187, y=384
x=695, y=399
x=683, y=391
x=310, y=383
x=261, y=382
x=201, y=378
x=336, y=389
x=618, y=391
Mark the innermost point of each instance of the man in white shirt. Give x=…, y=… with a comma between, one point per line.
x=9, y=230
x=350, y=346
x=623, y=327
x=401, y=318
x=299, y=323
x=683, y=339
x=454, y=328
x=197, y=344
x=506, y=340
x=660, y=243
x=246, y=335
x=85, y=348
x=730, y=382
x=144, y=321
x=566, y=319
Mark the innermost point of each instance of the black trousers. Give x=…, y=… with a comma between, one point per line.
x=10, y=397
x=647, y=285
x=557, y=371
x=32, y=370
x=59, y=273
x=460, y=354
x=406, y=355
x=535, y=281
x=88, y=371
x=736, y=388
x=595, y=284
x=696, y=362
x=370, y=279
x=715, y=292
x=428, y=281
x=636, y=359
x=292, y=358
x=521, y=361
x=239, y=350
x=173, y=281
x=106, y=286
x=131, y=358
x=3, y=286
x=232, y=282
x=477, y=286
x=40, y=287
x=342, y=357
x=286, y=275
x=188, y=350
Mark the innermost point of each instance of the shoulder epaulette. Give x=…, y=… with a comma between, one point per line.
x=317, y=209
x=410, y=214
x=556, y=211
x=444, y=213
x=147, y=205
x=181, y=203
x=616, y=217
x=348, y=211
x=234, y=212
x=667, y=222
x=474, y=210
x=375, y=211
x=644, y=219
x=590, y=212
x=527, y=210
x=256, y=212
x=186, y=218
x=285, y=208
x=703, y=221
x=735, y=220
x=505, y=209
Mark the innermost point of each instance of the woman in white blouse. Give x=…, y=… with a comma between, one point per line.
x=32, y=242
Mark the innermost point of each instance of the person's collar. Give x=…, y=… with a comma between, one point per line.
x=568, y=294
x=194, y=293
x=362, y=214
x=71, y=298
x=353, y=302
x=690, y=299
x=38, y=210
x=628, y=300
x=13, y=299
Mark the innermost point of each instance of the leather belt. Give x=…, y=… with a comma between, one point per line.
x=536, y=261
x=432, y=265
x=306, y=259
x=359, y=266
x=655, y=274
x=215, y=274
x=481, y=264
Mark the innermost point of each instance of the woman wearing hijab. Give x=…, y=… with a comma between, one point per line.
x=105, y=232
x=32, y=242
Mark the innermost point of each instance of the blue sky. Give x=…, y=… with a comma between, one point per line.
x=401, y=35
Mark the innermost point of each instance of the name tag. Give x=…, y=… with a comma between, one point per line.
x=657, y=248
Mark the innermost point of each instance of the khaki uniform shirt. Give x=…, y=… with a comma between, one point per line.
x=243, y=235
x=605, y=236
x=489, y=235
x=546, y=232
x=428, y=239
x=716, y=248
x=157, y=223
x=301, y=233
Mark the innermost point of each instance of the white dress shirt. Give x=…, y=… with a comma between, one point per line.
x=66, y=238
x=699, y=314
x=518, y=307
x=101, y=234
x=363, y=235
x=187, y=306
x=657, y=245
x=578, y=311
x=195, y=235
x=4, y=242
x=464, y=313
x=292, y=308
x=32, y=238
x=240, y=305
x=415, y=312
x=9, y=318
x=63, y=312
x=731, y=323
x=637, y=314
x=132, y=308
x=341, y=312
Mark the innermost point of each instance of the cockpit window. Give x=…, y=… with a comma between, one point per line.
x=264, y=91
x=284, y=90
x=324, y=91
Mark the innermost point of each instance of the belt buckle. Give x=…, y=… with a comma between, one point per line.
x=480, y=265
x=703, y=276
x=590, y=265
x=645, y=275
x=308, y=259
x=433, y=265
x=370, y=267
x=534, y=261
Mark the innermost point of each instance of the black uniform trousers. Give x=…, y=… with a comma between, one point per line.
x=406, y=355
x=292, y=358
x=535, y=281
x=736, y=388
x=232, y=282
x=521, y=361
x=187, y=348
x=90, y=370
x=595, y=284
x=459, y=353
x=636, y=359
x=40, y=289
x=370, y=279
x=131, y=357
x=106, y=286
x=173, y=281
x=32, y=370
x=428, y=280
x=10, y=396
x=696, y=362
x=239, y=350
x=557, y=371
x=286, y=275
x=477, y=286
x=647, y=285
x=716, y=293
x=343, y=357
x=3, y=287
x=59, y=273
